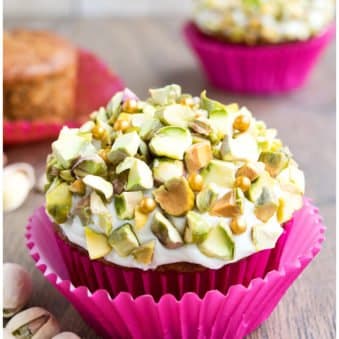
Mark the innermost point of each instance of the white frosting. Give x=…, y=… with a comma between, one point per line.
x=190, y=253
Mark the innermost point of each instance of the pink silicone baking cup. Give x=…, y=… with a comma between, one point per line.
x=96, y=84
x=257, y=69
x=233, y=314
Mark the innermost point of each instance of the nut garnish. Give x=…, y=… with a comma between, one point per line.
x=17, y=288
x=35, y=322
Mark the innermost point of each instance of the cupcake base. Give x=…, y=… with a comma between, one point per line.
x=257, y=69
x=231, y=315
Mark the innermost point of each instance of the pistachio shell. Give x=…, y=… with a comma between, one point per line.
x=34, y=323
x=18, y=180
x=17, y=288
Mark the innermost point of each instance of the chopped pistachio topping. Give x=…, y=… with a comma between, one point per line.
x=261, y=21
x=183, y=171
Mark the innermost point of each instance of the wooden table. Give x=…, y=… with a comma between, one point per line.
x=151, y=52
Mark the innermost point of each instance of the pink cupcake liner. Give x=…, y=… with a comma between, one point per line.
x=95, y=86
x=257, y=69
x=114, y=279
x=233, y=314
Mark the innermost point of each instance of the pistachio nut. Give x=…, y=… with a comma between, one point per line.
x=66, y=335
x=33, y=323
x=17, y=288
x=18, y=180
x=6, y=334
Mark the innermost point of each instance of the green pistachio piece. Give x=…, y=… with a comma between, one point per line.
x=206, y=197
x=97, y=244
x=166, y=169
x=241, y=148
x=125, y=145
x=166, y=95
x=292, y=180
x=264, y=236
x=218, y=243
x=139, y=176
x=149, y=128
x=125, y=165
x=171, y=142
x=177, y=115
x=126, y=202
x=198, y=156
x=274, y=162
x=81, y=145
x=219, y=172
x=87, y=126
x=288, y=204
x=264, y=180
x=164, y=230
x=230, y=205
x=175, y=196
x=93, y=164
x=99, y=184
x=98, y=208
x=196, y=229
x=209, y=104
x=144, y=253
x=266, y=205
x=59, y=201
x=200, y=126
x=66, y=175
x=123, y=240
x=114, y=106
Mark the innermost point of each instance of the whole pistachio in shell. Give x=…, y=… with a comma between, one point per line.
x=18, y=180
x=6, y=334
x=66, y=335
x=17, y=288
x=33, y=323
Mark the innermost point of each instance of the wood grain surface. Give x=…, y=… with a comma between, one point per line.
x=151, y=52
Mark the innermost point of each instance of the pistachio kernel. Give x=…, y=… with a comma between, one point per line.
x=130, y=106
x=78, y=187
x=196, y=182
x=238, y=225
x=147, y=205
x=242, y=123
x=121, y=125
x=98, y=132
x=243, y=183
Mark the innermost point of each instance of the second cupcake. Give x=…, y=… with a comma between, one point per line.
x=260, y=46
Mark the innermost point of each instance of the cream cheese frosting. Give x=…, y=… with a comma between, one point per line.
x=253, y=21
x=171, y=179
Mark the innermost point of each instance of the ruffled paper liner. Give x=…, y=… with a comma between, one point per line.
x=233, y=314
x=96, y=84
x=257, y=69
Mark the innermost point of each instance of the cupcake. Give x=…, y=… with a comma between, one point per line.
x=170, y=195
x=39, y=76
x=260, y=46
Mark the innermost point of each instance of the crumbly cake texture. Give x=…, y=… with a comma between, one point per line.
x=39, y=76
x=170, y=180
x=260, y=21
